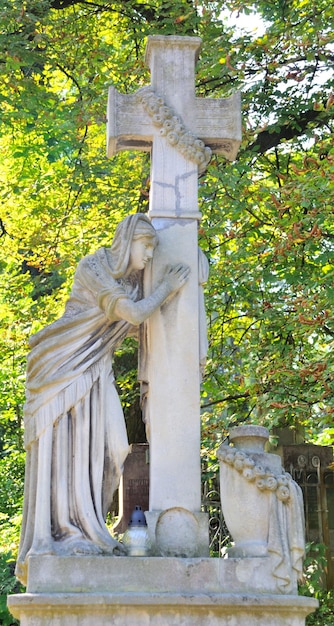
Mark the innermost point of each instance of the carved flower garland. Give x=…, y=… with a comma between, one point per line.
x=172, y=128
x=263, y=478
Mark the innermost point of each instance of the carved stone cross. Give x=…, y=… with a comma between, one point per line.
x=181, y=130
x=174, y=178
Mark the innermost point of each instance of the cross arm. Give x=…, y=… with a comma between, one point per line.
x=218, y=124
x=128, y=125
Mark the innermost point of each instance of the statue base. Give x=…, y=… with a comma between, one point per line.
x=160, y=591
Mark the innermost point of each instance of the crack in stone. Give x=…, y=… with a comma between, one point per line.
x=176, y=187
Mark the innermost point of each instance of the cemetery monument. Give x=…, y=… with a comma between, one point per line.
x=150, y=279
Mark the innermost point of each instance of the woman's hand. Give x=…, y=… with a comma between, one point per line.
x=176, y=276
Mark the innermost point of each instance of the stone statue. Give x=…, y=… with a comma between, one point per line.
x=75, y=434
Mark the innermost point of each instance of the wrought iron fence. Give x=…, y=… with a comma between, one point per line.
x=219, y=536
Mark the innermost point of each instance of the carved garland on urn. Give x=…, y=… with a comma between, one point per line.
x=263, y=478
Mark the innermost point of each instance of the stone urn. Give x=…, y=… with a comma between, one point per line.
x=248, y=477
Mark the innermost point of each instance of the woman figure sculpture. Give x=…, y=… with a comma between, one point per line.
x=75, y=434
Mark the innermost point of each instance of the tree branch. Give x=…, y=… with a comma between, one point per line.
x=144, y=10
x=270, y=138
x=3, y=230
x=226, y=399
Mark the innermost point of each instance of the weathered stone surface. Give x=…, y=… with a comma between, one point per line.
x=161, y=610
x=87, y=574
x=156, y=591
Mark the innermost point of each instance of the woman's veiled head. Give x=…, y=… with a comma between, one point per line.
x=132, y=228
x=145, y=230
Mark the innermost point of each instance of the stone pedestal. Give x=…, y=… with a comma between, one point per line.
x=156, y=591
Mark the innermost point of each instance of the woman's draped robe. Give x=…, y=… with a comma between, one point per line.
x=75, y=433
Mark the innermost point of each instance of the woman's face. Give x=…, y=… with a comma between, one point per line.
x=141, y=253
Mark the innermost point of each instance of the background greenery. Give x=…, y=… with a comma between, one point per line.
x=267, y=225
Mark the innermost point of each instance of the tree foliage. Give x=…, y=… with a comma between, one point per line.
x=267, y=225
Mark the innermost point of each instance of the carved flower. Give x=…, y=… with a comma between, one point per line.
x=172, y=138
x=149, y=99
x=249, y=462
x=248, y=474
x=283, y=493
x=259, y=471
x=189, y=152
x=199, y=157
x=261, y=483
x=152, y=108
x=199, y=144
x=157, y=119
x=238, y=464
x=177, y=124
x=271, y=483
x=240, y=455
x=189, y=138
x=168, y=125
x=282, y=481
x=162, y=132
x=165, y=112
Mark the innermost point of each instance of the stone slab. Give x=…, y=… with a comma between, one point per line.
x=92, y=574
x=155, y=591
x=160, y=609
